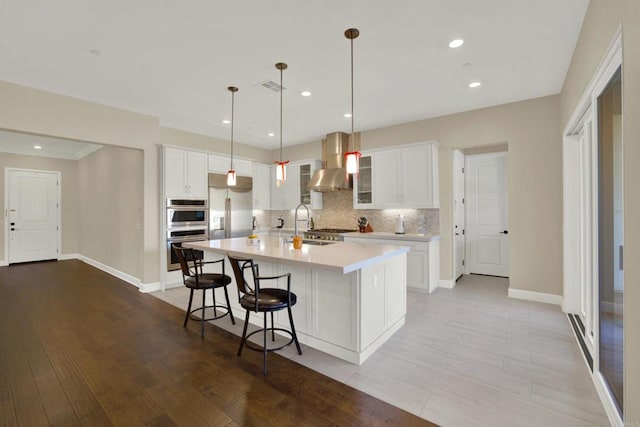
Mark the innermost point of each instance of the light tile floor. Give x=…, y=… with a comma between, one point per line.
x=469, y=356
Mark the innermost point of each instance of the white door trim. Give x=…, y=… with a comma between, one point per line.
x=455, y=176
x=7, y=170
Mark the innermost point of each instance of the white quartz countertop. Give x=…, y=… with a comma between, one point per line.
x=393, y=236
x=343, y=257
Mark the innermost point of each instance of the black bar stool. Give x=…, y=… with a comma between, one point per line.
x=265, y=300
x=195, y=279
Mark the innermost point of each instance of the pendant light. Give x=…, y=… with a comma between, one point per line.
x=281, y=166
x=231, y=175
x=352, y=158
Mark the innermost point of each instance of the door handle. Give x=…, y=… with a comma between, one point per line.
x=504, y=232
x=457, y=234
x=13, y=229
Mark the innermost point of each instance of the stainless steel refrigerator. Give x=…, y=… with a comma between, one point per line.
x=230, y=208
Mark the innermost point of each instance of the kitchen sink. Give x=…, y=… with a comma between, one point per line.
x=315, y=242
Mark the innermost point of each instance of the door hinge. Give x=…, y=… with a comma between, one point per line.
x=57, y=228
x=463, y=262
x=463, y=231
x=463, y=200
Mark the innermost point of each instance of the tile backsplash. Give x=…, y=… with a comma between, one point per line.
x=338, y=212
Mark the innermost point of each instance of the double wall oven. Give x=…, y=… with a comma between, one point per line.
x=186, y=221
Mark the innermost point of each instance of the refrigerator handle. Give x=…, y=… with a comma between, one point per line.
x=227, y=218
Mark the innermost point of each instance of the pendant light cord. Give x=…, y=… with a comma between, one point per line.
x=233, y=95
x=352, y=138
x=281, y=90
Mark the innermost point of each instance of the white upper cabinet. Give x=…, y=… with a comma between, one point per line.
x=291, y=193
x=402, y=177
x=388, y=178
x=185, y=174
x=420, y=176
x=313, y=199
x=363, y=183
x=222, y=163
x=261, y=186
x=285, y=195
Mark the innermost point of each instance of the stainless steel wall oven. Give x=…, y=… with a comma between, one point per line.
x=187, y=213
x=180, y=237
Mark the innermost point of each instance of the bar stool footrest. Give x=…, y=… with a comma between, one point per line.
x=255, y=347
x=216, y=307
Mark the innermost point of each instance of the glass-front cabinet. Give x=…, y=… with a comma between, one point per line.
x=363, y=184
x=305, y=177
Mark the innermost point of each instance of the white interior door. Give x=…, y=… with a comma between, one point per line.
x=487, y=215
x=458, y=213
x=33, y=215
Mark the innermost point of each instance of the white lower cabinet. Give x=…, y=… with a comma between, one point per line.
x=423, y=270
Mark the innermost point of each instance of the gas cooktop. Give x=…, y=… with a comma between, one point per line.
x=327, y=233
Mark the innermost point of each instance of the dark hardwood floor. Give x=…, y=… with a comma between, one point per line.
x=80, y=347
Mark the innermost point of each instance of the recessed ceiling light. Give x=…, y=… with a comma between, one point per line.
x=347, y=115
x=95, y=52
x=474, y=84
x=225, y=122
x=305, y=93
x=271, y=134
x=38, y=147
x=456, y=43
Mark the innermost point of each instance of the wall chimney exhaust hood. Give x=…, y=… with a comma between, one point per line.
x=333, y=176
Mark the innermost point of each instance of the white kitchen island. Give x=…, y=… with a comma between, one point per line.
x=351, y=296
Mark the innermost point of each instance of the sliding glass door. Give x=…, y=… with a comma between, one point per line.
x=610, y=237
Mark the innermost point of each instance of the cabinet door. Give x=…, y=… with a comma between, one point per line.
x=363, y=184
x=388, y=179
x=313, y=199
x=219, y=164
x=197, y=175
x=261, y=187
x=334, y=310
x=418, y=270
x=175, y=180
x=243, y=167
x=417, y=179
x=278, y=195
x=292, y=186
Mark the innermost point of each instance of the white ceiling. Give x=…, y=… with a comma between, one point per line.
x=175, y=59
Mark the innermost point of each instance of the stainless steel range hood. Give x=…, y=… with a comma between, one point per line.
x=333, y=176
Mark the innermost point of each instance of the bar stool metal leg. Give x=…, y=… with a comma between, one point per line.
x=264, y=343
x=226, y=295
x=244, y=333
x=186, y=318
x=273, y=332
x=204, y=294
x=293, y=331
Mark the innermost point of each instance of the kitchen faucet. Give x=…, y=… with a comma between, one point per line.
x=295, y=221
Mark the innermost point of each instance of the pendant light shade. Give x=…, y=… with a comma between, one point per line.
x=231, y=175
x=281, y=166
x=352, y=158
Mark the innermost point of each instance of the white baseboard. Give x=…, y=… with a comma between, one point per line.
x=447, y=284
x=3, y=263
x=145, y=288
x=535, y=296
x=64, y=257
x=112, y=271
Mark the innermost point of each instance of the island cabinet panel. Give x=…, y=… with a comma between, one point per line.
x=334, y=308
x=383, y=299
